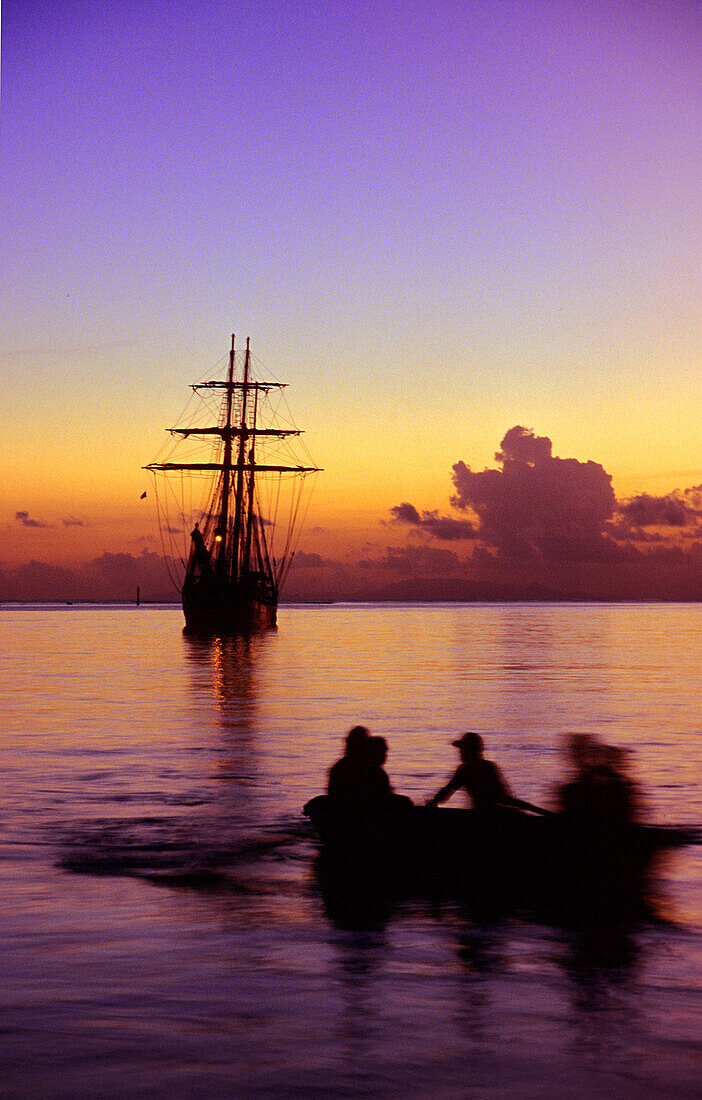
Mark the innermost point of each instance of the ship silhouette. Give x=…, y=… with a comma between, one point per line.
x=241, y=546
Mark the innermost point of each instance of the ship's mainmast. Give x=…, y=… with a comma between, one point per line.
x=223, y=525
x=240, y=467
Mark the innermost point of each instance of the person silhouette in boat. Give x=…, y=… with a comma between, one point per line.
x=358, y=785
x=380, y=785
x=620, y=799
x=349, y=773
x=576, y=796
x=599, y=797
x=600, y=807
x=480, y=778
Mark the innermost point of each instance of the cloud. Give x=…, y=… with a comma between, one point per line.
x=444, y=528
x=70, y=522
x=109, y=577
x=37, y=580
x=536, y=506
x=428, y=560
x=26, y=521
x=521, y=445
x=545, y=527
x=406, y=513
x=307, y=561
x=678, y=509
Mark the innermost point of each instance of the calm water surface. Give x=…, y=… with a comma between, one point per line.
x=161, y=930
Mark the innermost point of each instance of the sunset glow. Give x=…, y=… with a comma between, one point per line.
x=436, y=222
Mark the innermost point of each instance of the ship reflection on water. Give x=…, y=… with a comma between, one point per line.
x=226, y=666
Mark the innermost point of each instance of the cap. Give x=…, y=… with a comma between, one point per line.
x=469, y=740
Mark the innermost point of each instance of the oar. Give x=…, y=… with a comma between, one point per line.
x=520, y=804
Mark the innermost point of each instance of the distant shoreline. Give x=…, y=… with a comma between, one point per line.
x=9, y=605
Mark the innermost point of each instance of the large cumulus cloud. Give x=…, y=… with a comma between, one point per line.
x=555, y=519
x=537, y=506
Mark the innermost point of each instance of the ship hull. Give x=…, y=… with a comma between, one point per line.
x=214, y=609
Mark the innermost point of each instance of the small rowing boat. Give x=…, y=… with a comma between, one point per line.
x=508, y=859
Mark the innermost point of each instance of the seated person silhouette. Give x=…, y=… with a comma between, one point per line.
x=617, y=795
x=480, y=778
x=600, y=807
x=575, y=797
x=358, y=785
x=349, y=777
x=380, y=785
x=599, y=797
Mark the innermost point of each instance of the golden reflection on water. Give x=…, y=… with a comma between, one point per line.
x=230, y=662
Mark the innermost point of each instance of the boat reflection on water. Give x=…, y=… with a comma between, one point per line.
x=467, y=989
x=578, y=945
x=359, y=960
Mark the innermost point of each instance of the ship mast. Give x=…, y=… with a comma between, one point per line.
x=250, y=518
x=240, y=468
x=221, y=534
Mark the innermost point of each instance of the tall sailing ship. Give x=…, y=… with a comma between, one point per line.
x=243, y=541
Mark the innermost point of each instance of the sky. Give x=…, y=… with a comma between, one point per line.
x=437, y=221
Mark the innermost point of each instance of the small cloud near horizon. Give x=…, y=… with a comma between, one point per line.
x=303, y=560
x=444, y=528
x=26, y=520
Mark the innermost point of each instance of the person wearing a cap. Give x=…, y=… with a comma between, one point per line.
x=481, y=778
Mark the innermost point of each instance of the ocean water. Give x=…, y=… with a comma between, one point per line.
x=162, y=929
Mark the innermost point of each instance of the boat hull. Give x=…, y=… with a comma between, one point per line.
x=501, y=863
x=211, y=609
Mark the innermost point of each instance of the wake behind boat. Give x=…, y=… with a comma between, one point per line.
x=243, y=542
